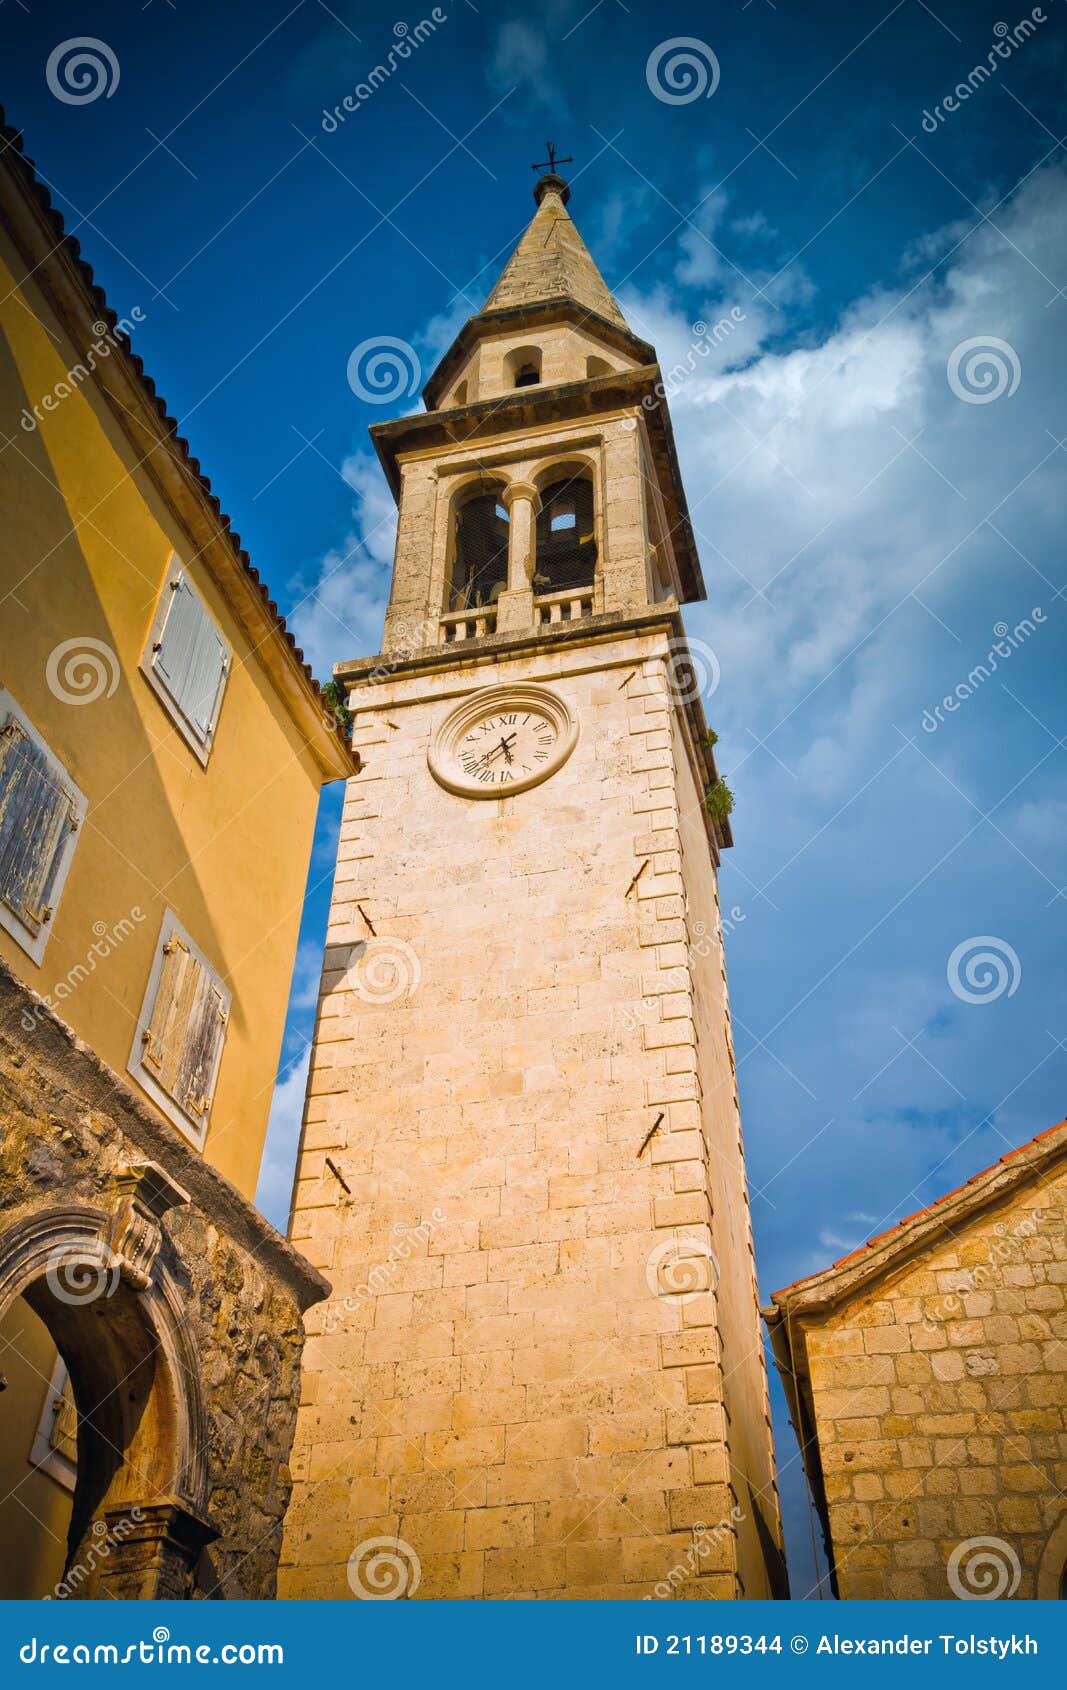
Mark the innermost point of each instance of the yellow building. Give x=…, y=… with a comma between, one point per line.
x=162, y=748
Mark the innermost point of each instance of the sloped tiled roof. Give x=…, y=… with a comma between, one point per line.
x=1025, y=1160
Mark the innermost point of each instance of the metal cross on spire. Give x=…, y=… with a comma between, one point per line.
x=551, y=162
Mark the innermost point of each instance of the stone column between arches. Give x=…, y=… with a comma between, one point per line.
x=515, y=606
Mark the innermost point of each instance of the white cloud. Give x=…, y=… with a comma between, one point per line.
x=854, y=579
x=801, y=479
x=304, y=994
x=522, y=59
x=340, y=614
x=283, y=1134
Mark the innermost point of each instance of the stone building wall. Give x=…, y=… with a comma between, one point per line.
x=518, y=1375
x=176, y=1308
x=720, y=1175
x=940, y=1399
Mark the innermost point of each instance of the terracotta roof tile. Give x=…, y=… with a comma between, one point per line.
x=909, y=1220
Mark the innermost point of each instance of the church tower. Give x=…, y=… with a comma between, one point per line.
x=540, y=1373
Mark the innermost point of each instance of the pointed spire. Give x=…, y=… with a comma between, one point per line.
x=552, y=261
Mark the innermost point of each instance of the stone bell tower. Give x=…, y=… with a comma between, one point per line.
x=541, y=1371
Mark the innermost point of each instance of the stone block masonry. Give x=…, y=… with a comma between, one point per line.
x=932, y=1375
x=540, y=1368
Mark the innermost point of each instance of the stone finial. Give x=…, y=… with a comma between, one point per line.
x=551, y=184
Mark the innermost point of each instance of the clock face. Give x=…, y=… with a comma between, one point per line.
x=501, y=741
x=506, y=746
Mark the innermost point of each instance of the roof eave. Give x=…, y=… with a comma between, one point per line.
x=66, y=281
x=821, y=1292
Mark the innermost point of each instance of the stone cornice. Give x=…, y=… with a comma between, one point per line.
x=512, y=319
x=586, y=633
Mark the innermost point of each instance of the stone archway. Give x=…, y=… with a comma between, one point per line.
x=97, y=1280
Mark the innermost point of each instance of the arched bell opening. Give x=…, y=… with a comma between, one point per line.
x=566, y=536
x=523, y=367
x=479, y=571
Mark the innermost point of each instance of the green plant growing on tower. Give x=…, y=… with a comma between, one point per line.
x=334, y=697
x=718, y=800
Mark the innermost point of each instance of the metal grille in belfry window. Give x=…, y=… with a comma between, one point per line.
x=480, y=571
x=566, y=540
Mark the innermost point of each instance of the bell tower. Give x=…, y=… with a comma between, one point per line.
x=541, y=1370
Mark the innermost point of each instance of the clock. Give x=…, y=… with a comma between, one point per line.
x=502, y=740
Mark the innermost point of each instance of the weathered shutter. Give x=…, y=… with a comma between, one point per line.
x=201, y=1046
x=37, y=816
x=184, y=1035
x=63, y=1432
x=191, y=658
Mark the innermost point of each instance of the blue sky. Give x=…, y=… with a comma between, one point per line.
x=869, y=514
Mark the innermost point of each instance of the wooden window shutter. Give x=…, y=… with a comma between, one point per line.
x=63, y=1432
x=183, y=1039
x=37, y=816
x=191, y=659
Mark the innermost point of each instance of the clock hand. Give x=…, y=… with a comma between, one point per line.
x=489, y=755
